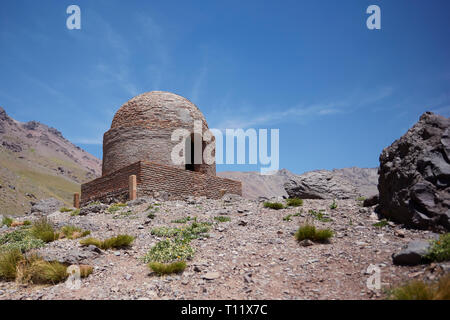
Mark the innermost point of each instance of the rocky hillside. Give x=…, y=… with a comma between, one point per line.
x=360, y=181
x=37, y=162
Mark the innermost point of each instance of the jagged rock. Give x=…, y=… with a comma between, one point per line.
x=320, y=184
x=72, y=256
x=47, y=206
x=413, y=254
x=371, y=201
x=414, y=182
x=14, y=147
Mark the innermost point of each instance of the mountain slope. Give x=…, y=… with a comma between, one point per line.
x=37, y=162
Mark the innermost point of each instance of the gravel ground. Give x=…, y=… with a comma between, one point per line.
x=254, y=256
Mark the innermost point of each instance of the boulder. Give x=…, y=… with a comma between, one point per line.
x=320, y=184
x=46, y=206
x=371, y=201
x=413, y=254
x=414, y=176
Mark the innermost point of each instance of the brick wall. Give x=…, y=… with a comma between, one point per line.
x=156, y=178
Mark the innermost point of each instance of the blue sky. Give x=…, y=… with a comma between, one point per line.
x=338, y=92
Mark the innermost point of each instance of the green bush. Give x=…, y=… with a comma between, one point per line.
x=116, y=207
x=222, y=219
x=7, y=221
x=308, y=231
x=43, y=229
x=170, y=250
x=20, y=240
x=320, y=216
x=167, y=268
x=193, y=231
x=72, y=232
x=8, y=263
x=333, y=205
x=440, y=249
x=419, y=290
x=184, y=220
x=64, y=209
x=380, y=224
x=294, y=202
x=75, y=213
x=273, y=205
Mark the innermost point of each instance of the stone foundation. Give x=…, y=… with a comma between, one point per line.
x=154, y=179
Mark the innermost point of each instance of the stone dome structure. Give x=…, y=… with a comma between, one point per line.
x=142, y=128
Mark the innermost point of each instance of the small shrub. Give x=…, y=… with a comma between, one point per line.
x=43, y=229
x=193, y=231
x=120, y=241
x=72, y=232
x=91, y=241
x=8, y=263
x=151, y=215
x=289, y=216
x=7, y=221
x=273, y=205
x=222, y=219
x=361, y=199
x=333, y=205
x=419, y=290
x=38, y=271
x=27, y=223
x=64, y=209
x=75, y=213
x=308, y=231
x=169, y=250
x=319, y=215
x=167, y=268
x=380, y=224
x=20, y=240
x=85, y=270
x=294, y=202
x=440, y=249
x=184, y=220
x=116, y=207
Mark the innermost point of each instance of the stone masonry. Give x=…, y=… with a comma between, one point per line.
x=139, y=143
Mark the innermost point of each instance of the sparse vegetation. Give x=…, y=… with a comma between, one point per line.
x=20, y=240
x=380, y=224
x=64, y=209
x=120, y=241
x=75, y=213
x=222, y=219
x=320, y=216
x=193, y=231
x=440, y=249
x=43, y=229
x=294, y=202
x=333, y=205
x=420, y=290
x=72, y=232
x=124, y=214
x=7, y=221
x=8, y=263
x=167, y=268
x=33, y=269
x=184, y=220
x=116, y=207
x=309, y=231
x=170, y=250
x=273, y=205
x=289, y=216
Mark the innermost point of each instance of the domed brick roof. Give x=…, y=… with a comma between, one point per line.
x=142, y=128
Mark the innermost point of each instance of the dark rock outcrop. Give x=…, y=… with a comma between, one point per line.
x=371, y=201
x=414, y=175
